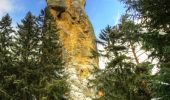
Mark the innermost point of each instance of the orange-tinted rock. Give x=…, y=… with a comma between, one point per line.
x=78, y=39
x=100, y=93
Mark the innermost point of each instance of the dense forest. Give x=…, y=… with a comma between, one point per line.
x=32, y=62
x=146, y=25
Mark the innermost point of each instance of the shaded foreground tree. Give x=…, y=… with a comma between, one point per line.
x=35, y=68
x=153, y=13
x=26, y=58
x=7, y=68
x=52, y=60
x=155, y=18
x=122, y=78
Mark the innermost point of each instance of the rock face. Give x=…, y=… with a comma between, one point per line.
x=78, y=39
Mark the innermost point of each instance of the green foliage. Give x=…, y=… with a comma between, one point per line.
x=6, y=65
x=52, y=59
x=158, y=45
x=32, y=65
x=122, y=79
x=26, y=58
x=155, y=18
x=154, y=13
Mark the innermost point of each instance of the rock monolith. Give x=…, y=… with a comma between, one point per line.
x=77, y=36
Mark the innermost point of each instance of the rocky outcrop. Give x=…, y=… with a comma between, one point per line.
x=78, y=39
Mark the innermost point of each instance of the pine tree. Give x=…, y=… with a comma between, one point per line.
x=31, y=65
x=158, y=45
x=122, y=79
x=154, y=15
x=7, y=71
x=52, y=62
x=27, y=58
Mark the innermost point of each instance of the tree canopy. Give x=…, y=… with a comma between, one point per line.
x=32, y=66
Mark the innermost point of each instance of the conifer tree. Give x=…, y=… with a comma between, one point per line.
x=7, y=69
x=122, y=78
x=27, y=58
x=32, y=65
x=153, y=13
x=155, y=17
x=159, y=45
x=52, y=61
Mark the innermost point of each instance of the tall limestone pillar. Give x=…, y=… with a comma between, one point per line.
x=78, y=39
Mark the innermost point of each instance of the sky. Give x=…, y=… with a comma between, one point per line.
x=101, y=12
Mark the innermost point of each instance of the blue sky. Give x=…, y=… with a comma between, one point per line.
x=100, y=12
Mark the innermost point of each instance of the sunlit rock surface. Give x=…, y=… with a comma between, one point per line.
x=78, y=38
